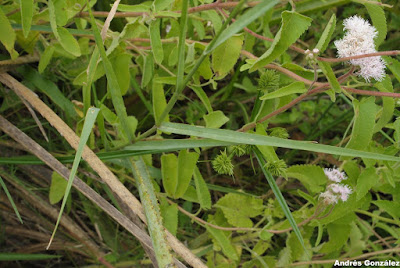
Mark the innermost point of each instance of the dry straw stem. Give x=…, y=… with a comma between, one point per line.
x=73, y=229
x=51, y=161
x=91, y=158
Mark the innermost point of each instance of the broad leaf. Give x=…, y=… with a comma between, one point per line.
x=155, y=40
x=388, y=104
x=7, y=35
x=293, y=88
x=26, y=16
x=378, y=20
x=328, y=72
x=312, y=177
x=159, y=102
x=367, y=179
x=225, y=56
x=326, y=36
x=203, y=194
x=293, y=26
x=57, y=188
x=215, y=119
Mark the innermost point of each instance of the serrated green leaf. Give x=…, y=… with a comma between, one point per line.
x=293, y=88
x=160, y=5
x=169, y=172
x=326, y=36
x=378, y=20
x=391, y=207
x=364, y=122
x=225, y=56
x=45, y=58
x=328, y=72
x=393, y=65
x=311, y=176
x=186, y=165
x=224, y=242
x=367, y=179
x=215, y=119
x=7, y=35
x=338, y=235
x=159, y=102
x=238, y=215
x=155, y=40
x=169, y=214
x=57, y=188
x=293, y=26
x=203, y=194
x=388, y=104
x=26, y=16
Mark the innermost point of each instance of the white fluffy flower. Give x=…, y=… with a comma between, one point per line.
x=358, y=40
x=343, y=190
x=335, y=174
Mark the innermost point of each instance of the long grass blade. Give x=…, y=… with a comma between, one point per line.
x=10, y=199
x=87, y=129
x=255, y=139
x=278, y=194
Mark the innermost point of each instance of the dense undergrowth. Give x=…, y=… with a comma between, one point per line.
x=219, y=134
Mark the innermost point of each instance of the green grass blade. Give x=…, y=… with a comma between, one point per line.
x=175, y=144
x=181, y=45
x=153, y=214
x=244, y=20
x=26, y=16
x=10, y=256
x=87, y=129
x=278, y=194
x=10, y=199
x=254, y=139
x=113, y=86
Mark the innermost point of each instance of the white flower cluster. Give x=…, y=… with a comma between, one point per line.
x=359, y=40
x=335, y=191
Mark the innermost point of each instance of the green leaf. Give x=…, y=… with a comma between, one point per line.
x=244, y=20
x=254, y=139
x=393, y=65
x=169, y=172
x=267, y=151
x=143, y=7
x=7, y=35
x=338, y=235
x=181, y=47
x=378, y=20
x=68, y=42
x=155, y=40
x=160, y=5
x=159, y=102
x=367, y=179
x=175, y=144
x=57, y=188
x=26, y=16
x=364, y=123
x=293, y=88
x=212, y=15
x=391, y=207
x=45, y=58
x=121, y=66
x=148, y=70
x=326, y=36
x=203, y=194
x=225, y=56
x=87, y=129
x=48, y=88
x=215, y=119
x=153, y=215
x=293, y=26
x=388, y=104
x=186, y=165
x=311, y=176
x=328, y=72
x=169, y=214
x=3, y=185
x=238, y=215
x=203, y=97
x=224, y=242
x=112, y=82
x=279, y=197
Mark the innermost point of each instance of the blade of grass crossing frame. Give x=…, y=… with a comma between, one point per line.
x=255, y=139
x=87, y=129
x=279, y=196
x=113, y=86
x=153, y=214
x=10, y=199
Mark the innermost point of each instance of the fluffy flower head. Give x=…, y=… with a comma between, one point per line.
x=335, y=191
x=335, y=174
x=359, y=40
